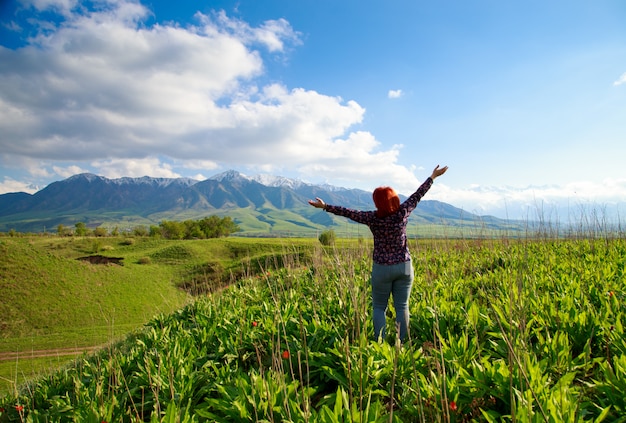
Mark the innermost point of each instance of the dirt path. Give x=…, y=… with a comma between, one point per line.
x=60, y=352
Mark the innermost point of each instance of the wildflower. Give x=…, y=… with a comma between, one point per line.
x=2, y=410
x=255, y=323
x=19, y=408
x=285, y=354
x=610, y=293
x=453, y=406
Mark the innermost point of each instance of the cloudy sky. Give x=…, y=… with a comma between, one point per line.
x=525, y=101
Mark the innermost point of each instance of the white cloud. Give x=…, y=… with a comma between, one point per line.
x=31, y=165
x=61, y=6
x=272, y=33
x=198, y=177
x=530, y=202
x=118, y=168
x=621, y=80
x=103, y=88
x=394, y=94
x=12, y=26
x=199, y=164
x=68, y=171
x=356, y=162
x=11, y=185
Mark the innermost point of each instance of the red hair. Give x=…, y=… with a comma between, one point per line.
x=386, y=200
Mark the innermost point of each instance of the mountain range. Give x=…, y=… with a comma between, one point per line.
x=261, y=205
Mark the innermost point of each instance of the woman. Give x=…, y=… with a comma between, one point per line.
x=392, y=272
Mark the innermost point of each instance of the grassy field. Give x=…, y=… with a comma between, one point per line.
x=55, y=303
x=524, y=330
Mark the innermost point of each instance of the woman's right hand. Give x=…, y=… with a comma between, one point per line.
x=319, y=203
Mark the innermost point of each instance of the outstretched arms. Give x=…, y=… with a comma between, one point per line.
x=320, y=204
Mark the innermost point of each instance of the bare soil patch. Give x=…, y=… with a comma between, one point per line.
x=99, y=259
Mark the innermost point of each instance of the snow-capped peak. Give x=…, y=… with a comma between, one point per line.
x=277, y=181
x=229, y=175
x=263, y=179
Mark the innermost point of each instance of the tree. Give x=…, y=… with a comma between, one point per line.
x=140, y=230
x=62, y=230
x=228, y=226
x=81, y=229
x=155, y=231
x=100, y=231
x=172, y=230
x=208, y=227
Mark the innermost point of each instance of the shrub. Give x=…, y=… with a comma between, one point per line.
x=128, y=241
x=100, y=232
x=140, y=231
x=327, y=237
x=96, y=246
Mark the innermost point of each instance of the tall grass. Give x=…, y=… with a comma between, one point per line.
x=526, y=330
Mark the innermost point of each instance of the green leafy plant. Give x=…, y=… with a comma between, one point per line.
x=501, y=330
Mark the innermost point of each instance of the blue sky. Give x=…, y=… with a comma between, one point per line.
x=525, y=101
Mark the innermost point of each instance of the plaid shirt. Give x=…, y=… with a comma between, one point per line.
x=390, y=244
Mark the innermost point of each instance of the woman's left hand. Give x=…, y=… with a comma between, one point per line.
x=438, y=172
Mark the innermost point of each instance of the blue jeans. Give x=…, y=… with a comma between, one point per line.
x=395, y=280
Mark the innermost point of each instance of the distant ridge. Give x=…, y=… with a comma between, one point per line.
x=258, y=204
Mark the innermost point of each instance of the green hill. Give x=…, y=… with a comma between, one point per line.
x=46, y=290
x=56, y=304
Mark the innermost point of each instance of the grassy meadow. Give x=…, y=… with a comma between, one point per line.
x=279, y=330
x=57, y=304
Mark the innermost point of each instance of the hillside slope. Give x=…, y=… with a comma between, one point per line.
x=46, y=290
